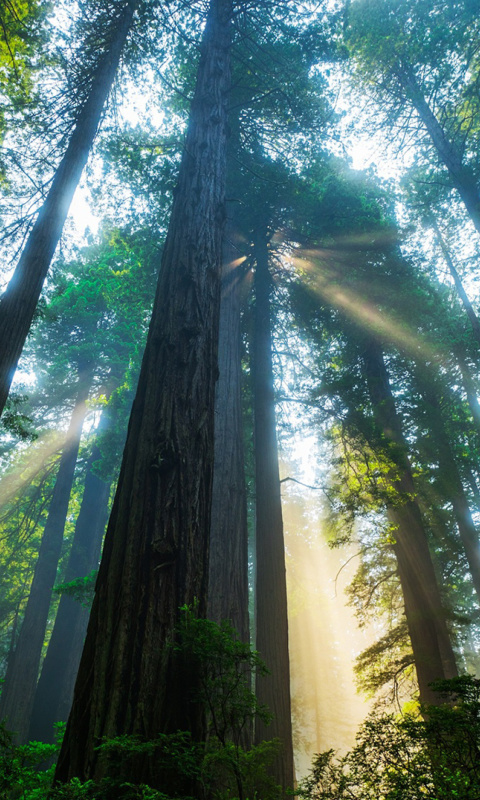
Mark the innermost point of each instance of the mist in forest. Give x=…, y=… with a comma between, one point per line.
x=324, y=636
x=239, y=389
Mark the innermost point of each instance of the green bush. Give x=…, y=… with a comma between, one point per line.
x=24, y=769
x=435, y=756
x=225, y=766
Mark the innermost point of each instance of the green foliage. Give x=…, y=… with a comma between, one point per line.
x=80, y=589
x=224, y=766
x=24, y=770
x=409, y=757
x=15, y=422
x=225, y=666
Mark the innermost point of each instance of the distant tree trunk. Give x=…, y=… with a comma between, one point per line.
x=19, y=301
x=271, y=589
x=470, y=388
x=53, y=697
x=228, y=566
x=461, y=175
x=472, y=482
x=450, y=479
x=155, y=556
x=21, y=679
x=469, y=310
x=432, y=649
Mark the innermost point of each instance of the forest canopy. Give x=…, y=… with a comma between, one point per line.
x=239, y=398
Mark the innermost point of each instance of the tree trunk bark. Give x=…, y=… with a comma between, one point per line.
x=19, y=301
x=432, y=649
x=21, y=679
x=155, y=557
x=53, y=697
x=271, y=590
x=228, y=565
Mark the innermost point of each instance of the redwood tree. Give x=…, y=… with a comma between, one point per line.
x=271, y=588
x=425, y=615
x=22, y=673
x=156, y=551
x=19, y=301
x=53, y=696
x=228, y=564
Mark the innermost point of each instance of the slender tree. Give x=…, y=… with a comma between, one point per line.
x=422, y=57
x=22, y=672
x=156, y=551
x=450, y=481
x=432, y=649
x=271, y=589
x=54, y=692
x=469, y=309
x=18, y=303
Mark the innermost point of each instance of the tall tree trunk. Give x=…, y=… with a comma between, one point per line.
x=53, y=697
x=155, y=557
x=18, y=303
x=432, y=649
x=469, y=310
x=271, y=589
x=469, y=386
x=450, y=479
x=228, y=565
x=21, y=679
x=460, y=174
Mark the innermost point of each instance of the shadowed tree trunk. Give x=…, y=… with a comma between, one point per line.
x=470, y=388
x=228, y=565
x=469, y=310
x=450, y=480
x=431, y=645
x=271, y=590
x=19, y=301
x=155, y=560
x=53, y=697
x=21, y=679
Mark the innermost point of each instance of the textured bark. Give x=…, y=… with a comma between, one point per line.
x=18, y=303
x=20, y=681
x=228, y=565
x=155, y=557
x=271, y=588
x=450, y=479
x=460, y=174
x=432, y=649
x=53, y=696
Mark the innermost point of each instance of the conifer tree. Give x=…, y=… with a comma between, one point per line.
x=19, y=301
x=271, y=589
x=156, y=551
x=23, y=666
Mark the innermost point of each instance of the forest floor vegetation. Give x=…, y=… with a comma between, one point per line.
x=433, y=755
